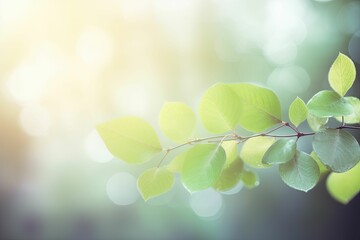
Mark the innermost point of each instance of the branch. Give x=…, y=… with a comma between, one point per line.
x=241, y=139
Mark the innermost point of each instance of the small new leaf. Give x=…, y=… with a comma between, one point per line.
x=342, y=74
x=250, y=179
x=219, y=109
x=130, y=138
x=154, y=182
x=230, y=176
x=177, y=121
x=344, y=186
x=337, y=149
x=254, y=149
x=282, y=151
x=329, y=104
x=298, y=111
x=301, y=173
x=202, y=166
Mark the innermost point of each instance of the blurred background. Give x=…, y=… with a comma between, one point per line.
x=66, y=66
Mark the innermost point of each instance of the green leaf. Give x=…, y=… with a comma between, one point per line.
x=219, y=109
x=317, y=123
x=250, y=179
x=323, y=169
x=202, y=166
x=230, y=176
x=301, y=173
x=130, y=138
x=282, y=151
x=344, y=186
x=230, y=148
x=254, y=149
x=342, y=74
x=260, y=107
x=337, y=149
x=154, y=182
x=177, y=121
x=298, y=111
x=329, y=104
x=176, y=165
x=355, y=116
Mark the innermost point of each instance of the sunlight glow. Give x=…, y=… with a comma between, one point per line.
x=121, y=189
x=94, y=46
x=35, y=120
x=206, y=203
x=96, y=149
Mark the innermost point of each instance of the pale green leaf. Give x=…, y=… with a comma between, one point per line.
x=298, y=111
x=176, y=165
x=260, y=107
x=230, y=176
x=249, y=178
x=254, y=149
x=329, y=104
x=219, y=109
x=342, y=74
x=323, y=169
x=344, y=186
x=355, y=116
x=301, y=173
x=317, y=123
x=231, y=150
x=130, y=138
x=154, y=182
x=282, y=151
x=177, y=121
x=202, y=166
x=337, y=149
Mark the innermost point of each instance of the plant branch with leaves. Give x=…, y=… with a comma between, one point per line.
x=224, y=160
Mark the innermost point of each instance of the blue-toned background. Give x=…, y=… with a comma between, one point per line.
x=66, y=66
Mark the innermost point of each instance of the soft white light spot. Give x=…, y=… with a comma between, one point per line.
x=235, y=189
x=12, y=10
x=206, y=203
x=94, y=46
x=134, y=9
x=121, y=189
x=135, y=98
x=96, y=149
x=34, y=120
x=27, y=83
x=292, y=79
x=280, y=52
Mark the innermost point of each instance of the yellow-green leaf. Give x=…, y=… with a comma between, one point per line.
x=254, y=149
x=260, y=107
x=130, y=138
x=342, y=74
x=177, y=121
x=154, y=182
x=317, y=123
x=202, y=166
x=298, y=111
x=219, y=109
x=230, y=176
x=344, y=186
x=323, y=169
x=250, y=179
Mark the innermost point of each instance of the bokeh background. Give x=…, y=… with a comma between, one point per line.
x=66, y=66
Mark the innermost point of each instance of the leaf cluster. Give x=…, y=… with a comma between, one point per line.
x=224, y=160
